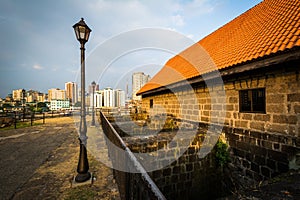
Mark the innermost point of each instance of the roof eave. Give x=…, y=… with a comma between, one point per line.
x=280, y=57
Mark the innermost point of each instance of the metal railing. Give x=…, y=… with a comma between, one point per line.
x=133, y=181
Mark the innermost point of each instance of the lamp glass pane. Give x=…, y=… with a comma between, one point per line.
x=76, y=32
x=81, y=32
x=87, y=35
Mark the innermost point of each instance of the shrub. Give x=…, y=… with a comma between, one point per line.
x=222, y=154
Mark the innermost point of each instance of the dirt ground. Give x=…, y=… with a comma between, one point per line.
x=39, y=162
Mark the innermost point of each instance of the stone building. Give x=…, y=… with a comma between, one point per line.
x=244, y=78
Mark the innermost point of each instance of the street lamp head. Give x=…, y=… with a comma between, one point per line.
x=94, y=84
x=82, y=31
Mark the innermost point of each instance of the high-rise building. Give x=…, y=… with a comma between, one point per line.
x=98, y=99
x=17, y=95
x=56, y=94
x=108, y=97
x=90, y=90
x=119, y=98
x=139, y=79
x=32, y=96
x=71, y=92
x=42, y=97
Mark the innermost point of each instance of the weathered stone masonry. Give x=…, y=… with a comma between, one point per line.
x=185, y=175
x=263, y=144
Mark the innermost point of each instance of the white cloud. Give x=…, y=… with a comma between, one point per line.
x=191, y=36
x=37, y=67
x=119, y=16
x=73, y=71
x=199, y=7
x=178, y=20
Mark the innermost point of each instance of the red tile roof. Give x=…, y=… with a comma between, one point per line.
x=268, y=28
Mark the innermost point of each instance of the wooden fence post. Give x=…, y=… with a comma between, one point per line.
x=24, y=114
x=15, y=121
x=31, y=120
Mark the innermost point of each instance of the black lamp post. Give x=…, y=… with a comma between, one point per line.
x=93, y=104
x=82, y=32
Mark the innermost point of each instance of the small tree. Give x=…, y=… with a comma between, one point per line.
x=41, y=104
x=6, y=106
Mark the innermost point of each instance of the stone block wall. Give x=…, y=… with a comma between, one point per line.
x=260, y=155
x=263, y=144
x=184, y=175
x=282, y=102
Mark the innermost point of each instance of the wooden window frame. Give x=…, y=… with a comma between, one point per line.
x=252, y=100
x=151, y=103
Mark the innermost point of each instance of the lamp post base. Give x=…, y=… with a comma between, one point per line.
x=82, y=177
x=83, y=180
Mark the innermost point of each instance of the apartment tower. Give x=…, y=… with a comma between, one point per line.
x=139, y=79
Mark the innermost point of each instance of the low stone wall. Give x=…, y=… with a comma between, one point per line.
x=254, y=156
x=261, y=155
x=132, y=179
x=184, y=175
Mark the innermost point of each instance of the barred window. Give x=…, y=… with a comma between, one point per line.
x=253, y=100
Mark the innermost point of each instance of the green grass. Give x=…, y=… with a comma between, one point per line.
x=81, y=193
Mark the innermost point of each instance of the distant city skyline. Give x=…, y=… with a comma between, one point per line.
x=70, y=89
x=39, y=50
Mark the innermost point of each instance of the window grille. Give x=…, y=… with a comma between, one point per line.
x=253, y=100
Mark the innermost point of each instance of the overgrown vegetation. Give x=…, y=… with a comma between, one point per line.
x=170, y=124
x=222, y=154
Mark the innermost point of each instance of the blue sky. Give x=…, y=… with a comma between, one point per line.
x=39, y=50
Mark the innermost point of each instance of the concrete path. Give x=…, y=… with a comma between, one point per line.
x=39, y=162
